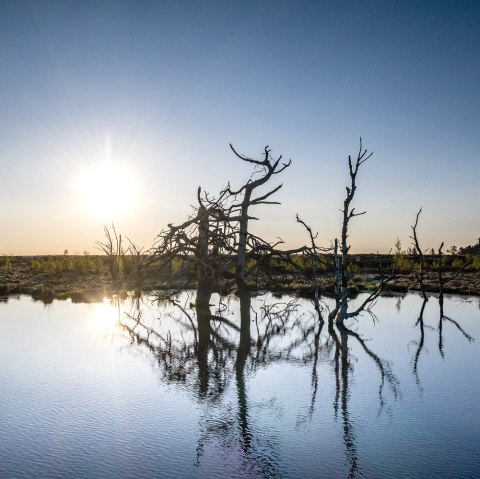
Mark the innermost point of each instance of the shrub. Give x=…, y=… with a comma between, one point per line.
x=475, y=263
x=7, y=263
x=401, y=262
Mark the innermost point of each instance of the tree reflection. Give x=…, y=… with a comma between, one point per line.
x=205, y=352
x=343, y=369
x=421, y=341
x=443, y=318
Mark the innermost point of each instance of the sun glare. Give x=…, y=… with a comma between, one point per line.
x=107, y=190
x=105, y=315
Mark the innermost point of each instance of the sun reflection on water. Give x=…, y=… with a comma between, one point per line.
x=106, y=315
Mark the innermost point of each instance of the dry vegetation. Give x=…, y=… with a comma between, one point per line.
x=87, y=277
x=215, y=250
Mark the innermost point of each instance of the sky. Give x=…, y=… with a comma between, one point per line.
x=118, y=111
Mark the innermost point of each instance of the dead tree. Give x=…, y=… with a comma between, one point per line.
x=203, y=242
x=443, y=317
x=342, y=259
x=312, y=254
x=268, y=168
x=217, y=238
x=442, y=281
x=421, y=273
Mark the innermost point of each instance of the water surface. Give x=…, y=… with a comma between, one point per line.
x=147, y=388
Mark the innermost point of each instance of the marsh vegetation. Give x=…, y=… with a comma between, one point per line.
x=216, y=250
x=260, y=359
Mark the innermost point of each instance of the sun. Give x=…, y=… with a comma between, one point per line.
x=107, y=189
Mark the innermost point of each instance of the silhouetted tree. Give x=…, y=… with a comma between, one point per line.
x=342, y=259
x=217, y=237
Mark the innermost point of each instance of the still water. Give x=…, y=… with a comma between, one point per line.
x=147, y=388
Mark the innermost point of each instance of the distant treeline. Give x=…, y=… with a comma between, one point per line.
x=472, y=249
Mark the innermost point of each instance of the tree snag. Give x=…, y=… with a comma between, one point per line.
x=342, y=259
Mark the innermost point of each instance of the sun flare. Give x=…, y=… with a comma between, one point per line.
x=105, y=315
x=107, y=190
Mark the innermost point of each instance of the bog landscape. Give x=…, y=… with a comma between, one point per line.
x=262, y=344
x=214, y=250
x=180, y=300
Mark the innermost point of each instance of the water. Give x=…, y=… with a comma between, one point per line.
x=142, y=388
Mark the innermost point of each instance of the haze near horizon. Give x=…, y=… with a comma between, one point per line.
x=118, y=111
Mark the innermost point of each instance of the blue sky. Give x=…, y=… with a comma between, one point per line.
x=168, y=85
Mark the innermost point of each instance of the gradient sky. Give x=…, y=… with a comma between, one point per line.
x=162, y=88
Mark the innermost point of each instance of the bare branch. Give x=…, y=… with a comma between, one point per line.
x=416, y=243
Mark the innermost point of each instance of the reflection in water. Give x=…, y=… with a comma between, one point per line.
x=400, y=297
x=343, y=368
x=421, y=341
x=239, y=387
x=106, y=315
x=253, y=386
x=422, y=326
x=442, y=319
x=205, y=351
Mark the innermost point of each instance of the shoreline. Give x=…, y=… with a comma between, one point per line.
x=85, y=278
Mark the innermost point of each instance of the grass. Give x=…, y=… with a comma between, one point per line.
x=6, y=263
x=70, y=276
x=78, y=264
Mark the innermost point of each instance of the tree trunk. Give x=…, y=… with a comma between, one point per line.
x=204, y=277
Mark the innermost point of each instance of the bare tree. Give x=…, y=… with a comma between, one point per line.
x=268, y=167
x=442, y=281
x=203, y=242
x=342, y=258
x=421, y=273
x=217, y=238
x=312, y=254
